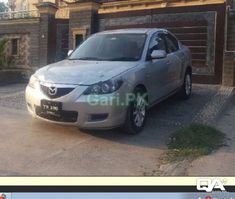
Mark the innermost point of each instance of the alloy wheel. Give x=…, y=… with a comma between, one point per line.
x=188, y=84
x=139, y=111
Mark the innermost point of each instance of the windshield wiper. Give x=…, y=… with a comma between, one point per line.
x=123, y=59
x=87, y=58
x=90, y=58
x=100, y=59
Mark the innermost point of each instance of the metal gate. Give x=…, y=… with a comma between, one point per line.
x=201, y=28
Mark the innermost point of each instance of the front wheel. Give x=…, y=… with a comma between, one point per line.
x=136, y=114
x=186, y=89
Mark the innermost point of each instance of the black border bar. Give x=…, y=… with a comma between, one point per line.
x=108, y=189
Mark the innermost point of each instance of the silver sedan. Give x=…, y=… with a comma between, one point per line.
x=111, y=80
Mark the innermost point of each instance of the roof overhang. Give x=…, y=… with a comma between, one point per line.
x=130, y=5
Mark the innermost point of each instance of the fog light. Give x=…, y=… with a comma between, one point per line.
x=98, y=117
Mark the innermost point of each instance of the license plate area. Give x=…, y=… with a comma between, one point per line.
x=51, y=107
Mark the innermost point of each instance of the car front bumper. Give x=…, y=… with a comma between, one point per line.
x=78, y=109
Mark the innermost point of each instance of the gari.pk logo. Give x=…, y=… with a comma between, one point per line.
x=209, y=185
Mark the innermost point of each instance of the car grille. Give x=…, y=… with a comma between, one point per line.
x=63, y=116
x=59, y=91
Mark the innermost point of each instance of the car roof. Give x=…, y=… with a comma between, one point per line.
x=133, y=31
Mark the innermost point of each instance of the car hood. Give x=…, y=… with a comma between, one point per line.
x=82, y=72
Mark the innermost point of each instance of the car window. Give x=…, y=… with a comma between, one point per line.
x=157, y=43
x=172, y=43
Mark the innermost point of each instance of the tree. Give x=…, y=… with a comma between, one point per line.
x=3, y=7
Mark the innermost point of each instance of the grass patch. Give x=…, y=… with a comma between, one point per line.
x=193, y=141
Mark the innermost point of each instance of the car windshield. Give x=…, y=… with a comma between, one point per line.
x=111, y=47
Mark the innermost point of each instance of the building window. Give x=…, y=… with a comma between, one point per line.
x=79, y=35
x=78, y=40
x=14, y=47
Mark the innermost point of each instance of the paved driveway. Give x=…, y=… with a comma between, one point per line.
x=32, y=147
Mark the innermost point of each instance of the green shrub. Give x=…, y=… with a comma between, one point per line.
x=194, y=141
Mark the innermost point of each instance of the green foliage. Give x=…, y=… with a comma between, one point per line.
x=5, y=61
x=193, y=141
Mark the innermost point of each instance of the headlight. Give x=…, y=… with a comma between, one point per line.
x=106, y=87
x=33, y=81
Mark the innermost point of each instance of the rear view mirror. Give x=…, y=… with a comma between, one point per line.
x=158, y=54
x=70, y=52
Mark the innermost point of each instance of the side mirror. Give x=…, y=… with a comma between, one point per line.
x=158, y=54
x=70, y=52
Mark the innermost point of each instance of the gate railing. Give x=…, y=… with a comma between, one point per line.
x=19, y=15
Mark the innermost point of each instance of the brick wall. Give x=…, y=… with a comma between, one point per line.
x=229, y=69
x=29, y=27
x=82, y=19
x=21, y=59
x=231, y=34
x=43, y=39
x=62, y=39
x=229, y=56
x=38, y=32
x=47, y=39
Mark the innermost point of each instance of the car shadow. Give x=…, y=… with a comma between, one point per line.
x=163, y=119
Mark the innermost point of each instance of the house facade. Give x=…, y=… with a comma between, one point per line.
x=42, y=32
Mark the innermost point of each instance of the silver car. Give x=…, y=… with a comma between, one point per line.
x=111, y=80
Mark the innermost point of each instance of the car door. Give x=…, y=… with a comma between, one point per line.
x=157, y=69
x=175, y=57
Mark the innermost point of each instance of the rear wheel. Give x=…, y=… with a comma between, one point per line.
x=136, y=114
x=186, y=89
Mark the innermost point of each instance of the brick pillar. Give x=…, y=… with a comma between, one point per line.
x=47, y=38
x=229, y=69
x=229, y=55
x=83, y=19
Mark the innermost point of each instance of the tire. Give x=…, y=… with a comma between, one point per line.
x=186, y=89
x=136, y=113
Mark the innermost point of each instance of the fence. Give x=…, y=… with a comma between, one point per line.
x=19, y=15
